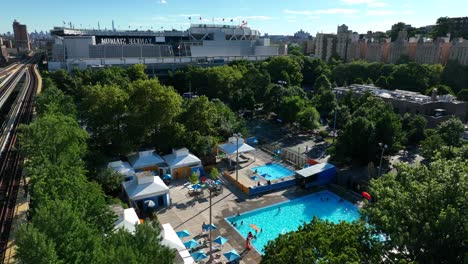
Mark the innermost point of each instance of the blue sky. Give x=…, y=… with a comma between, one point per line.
x=268, y=16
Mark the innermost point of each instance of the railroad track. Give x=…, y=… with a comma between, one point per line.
x=10, y=158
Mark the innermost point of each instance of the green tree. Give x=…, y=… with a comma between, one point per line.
x=283, y=68
x=382, y=82
x=441, y=89
x=110, y=180
x=462, y=95
x=357, y=141
x=137, y=72
x=142, y=247
x=53, y=138
x=325, y=102
x=322, y=82
x=325, y=242
x=414, y=127
x=290, y=108
x=450, y=131
x=431, y=145
x=152, y=106
x=104, y=109
x=53, y=100
x=308, y=118
x=214, y=173
x=194, y=178
x=442, y=28
x=421, y=210
x=33, y=247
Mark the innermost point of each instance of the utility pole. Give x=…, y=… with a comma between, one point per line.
x=383, y=147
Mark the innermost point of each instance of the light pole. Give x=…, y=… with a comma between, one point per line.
x=383, y=147
x=237, y=135
x=211, y=240
x=334, y=119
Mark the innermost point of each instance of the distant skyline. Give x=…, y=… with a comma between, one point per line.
x=267, y=16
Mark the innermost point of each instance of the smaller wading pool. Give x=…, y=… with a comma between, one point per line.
x=273, y=171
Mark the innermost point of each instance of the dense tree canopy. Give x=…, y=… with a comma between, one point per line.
x=325, y=242
x=423, y=211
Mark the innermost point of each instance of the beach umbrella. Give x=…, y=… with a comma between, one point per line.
x=232, y=255
x=191, y=243
x=207, y=227
x=167, y=177
x=196, y=186
x=183, y=233
x=199, y=255
x=366, y=195
x=150, y=203
x=220, y=240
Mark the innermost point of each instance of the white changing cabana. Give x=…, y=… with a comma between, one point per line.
x=234, y=146
x=171, y=240
x=147, y=160
x=145, y=188
x=123, y=168
x=181, y=162
x=128, y=219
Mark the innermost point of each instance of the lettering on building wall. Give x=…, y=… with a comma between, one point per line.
x=124, y=41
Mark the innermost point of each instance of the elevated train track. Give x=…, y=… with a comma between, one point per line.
x=23, y=86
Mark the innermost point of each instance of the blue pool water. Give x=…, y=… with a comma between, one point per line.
x=273, y=171
x=293, y=214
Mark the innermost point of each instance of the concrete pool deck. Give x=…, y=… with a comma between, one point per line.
x=190, y=212
x=245, y=169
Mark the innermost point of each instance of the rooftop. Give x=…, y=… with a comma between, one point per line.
x=401, y=95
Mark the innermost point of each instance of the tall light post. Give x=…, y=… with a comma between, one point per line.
x=211, y=239
x=383, y=147
x=334, y=119
x=237, y=135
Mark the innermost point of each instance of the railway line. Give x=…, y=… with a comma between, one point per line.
x=16, y=104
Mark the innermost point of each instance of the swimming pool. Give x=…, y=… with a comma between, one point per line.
x=273, y=171
x=292, y=214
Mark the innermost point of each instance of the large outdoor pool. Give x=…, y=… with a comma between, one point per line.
x=288, y=216
x=273, y=171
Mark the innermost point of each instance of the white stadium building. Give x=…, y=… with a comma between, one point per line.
x=200, y=44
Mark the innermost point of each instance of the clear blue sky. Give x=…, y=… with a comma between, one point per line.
x=268, y=16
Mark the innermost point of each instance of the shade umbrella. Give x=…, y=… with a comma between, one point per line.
x=183, y=233
x=150, y=203
x=196, y=186
x=220, y=240
x=199, y=255
x=366, y=195
x=207, y=227
x=232, y=255
x=167, y=177
x=191, y=243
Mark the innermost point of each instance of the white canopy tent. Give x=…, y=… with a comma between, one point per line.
x=128, y=219
x=234, y=146
x=146, y=187
x=171, y=240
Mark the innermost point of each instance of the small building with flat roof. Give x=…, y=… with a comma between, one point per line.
x=147, y=191
x=182, y=163
x=123, y=168
x=318, y=174
x=148, y=160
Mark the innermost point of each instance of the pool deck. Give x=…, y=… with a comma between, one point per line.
x=190, y=212
x=245, y=169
